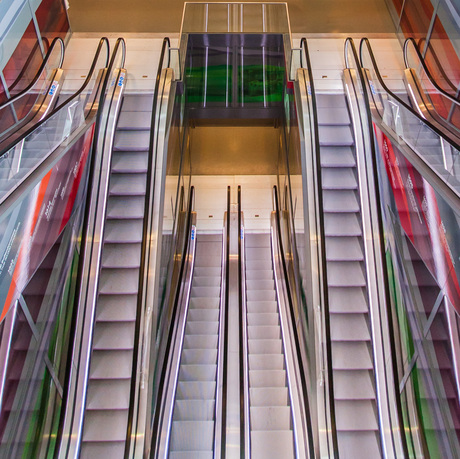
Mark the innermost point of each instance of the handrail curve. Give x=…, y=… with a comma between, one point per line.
x=103, y=42
x=365, y=43
x=57, y=41
x=411, y=41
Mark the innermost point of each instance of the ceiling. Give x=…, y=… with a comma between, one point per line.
x=164, y=16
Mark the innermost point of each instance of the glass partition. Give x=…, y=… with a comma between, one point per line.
x=20, y=159
x=441, y=154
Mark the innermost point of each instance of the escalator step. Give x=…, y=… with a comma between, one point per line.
x=134, y=162
x=201, y=328
x=267, y=378
x=269, y=396
x=356, y=415
x=349, y=327
x=199, y=372
x=90, y=450
x=111, y=364
x=119, y=281
x=259, y=284
x=344, y=248
x=336, y=178
x=347, y=299
x=265, y=444
x=191, y=455
x=113, y=308
x=135, y=120
x=193, y=410
x=114, y=335
x=331, y=101
x=105, y=425
x=192, y=436
x=264, y=332
x=366, y=442
x=199, y=356
x=335, y=136
x=266, y=362
x=261, y=295
x=203, y=315
x=336, y=117
x=124, y=231
x=200, y=341
x=342, y=201
x=264, y=346
x=131, y=141
x=255, y=306
x=197, y=390
x=204, y=302
x=345, y=274
x=125, y=207
x=351, y=355
x=269, y=418
x=353, y=385
x=121, y=255
x=341, y=225
x=263, y=318
x=106, y=394
x=137, y=103
x=128, y=184
x=337, y=156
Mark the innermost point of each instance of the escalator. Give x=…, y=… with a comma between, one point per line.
x=415, y=161
x=351, y=343
x=433, y=102
x=270, y=336
x=46, y=170
x=28, y=106
x=271, y=431
x=109, y=382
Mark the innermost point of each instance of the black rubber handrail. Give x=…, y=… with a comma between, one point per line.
x=85, y=227
x=156, y=420
x=322, y=243
x=438, y=64
x=150, y=184
x=223, y=451
x=57, y=41
x=298, y=352
x=411, y=41
x=241, y=289
x=103, y=42
x=373, y=158
x=366, y=44
x=18, y=79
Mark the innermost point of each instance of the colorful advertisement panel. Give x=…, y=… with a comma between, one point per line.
x=425, y=217
x=31, y=227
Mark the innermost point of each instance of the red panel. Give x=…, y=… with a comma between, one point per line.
x=52, y=19
x=416, y=18
x=28, y=52
x=398, y=6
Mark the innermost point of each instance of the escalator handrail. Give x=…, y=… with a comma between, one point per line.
x=151, y=161
x=161, y=389
x=39, y=71
x=322, y=243
x=438, y=64
x=290, y=301
x=85, y=227
x=365, y=43
x=411, y=41
x=386, y=287
x=103, y=42
x=223, y=437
